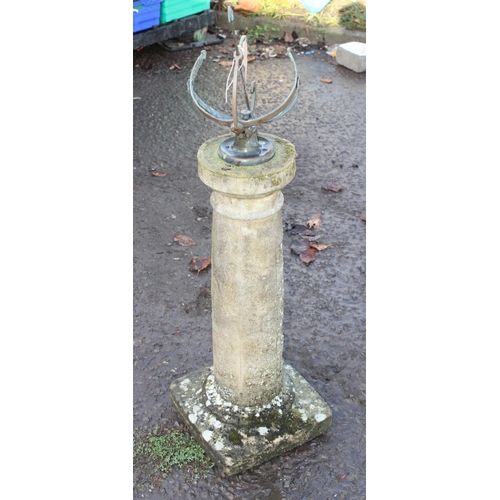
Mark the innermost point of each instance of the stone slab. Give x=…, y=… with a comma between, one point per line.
x=352, y=55
x=258, y=436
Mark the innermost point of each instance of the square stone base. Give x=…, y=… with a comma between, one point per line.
x=236, y=448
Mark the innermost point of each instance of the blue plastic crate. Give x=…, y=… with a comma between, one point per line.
x=146, y=14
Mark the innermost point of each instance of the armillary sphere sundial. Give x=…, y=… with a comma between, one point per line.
x=248, y=405
x=246, y=147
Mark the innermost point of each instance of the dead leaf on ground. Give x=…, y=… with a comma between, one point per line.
x=326, y=80
x=334, y=187
x=251, y=58
x=299, y=246
x=314, y=223
x=319, y=246
x=175, y=66
x=158, y=173
x=308, y=256
x=363, y=217
x=299, y=229
x=198, y=264
x=225, y=63
x=184, y=241
x=288, y=37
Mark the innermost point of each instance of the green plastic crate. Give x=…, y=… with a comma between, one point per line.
x=177, y=9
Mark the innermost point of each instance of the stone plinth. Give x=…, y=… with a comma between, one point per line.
x=260, y=436
x=247, y=408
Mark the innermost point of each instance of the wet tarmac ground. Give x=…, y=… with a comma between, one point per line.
x=325, y=320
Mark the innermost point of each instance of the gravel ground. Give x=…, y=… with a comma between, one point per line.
x=324, y=325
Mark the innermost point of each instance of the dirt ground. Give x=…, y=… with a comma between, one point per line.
x=324, y=322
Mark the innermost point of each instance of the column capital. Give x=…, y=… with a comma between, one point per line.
x=247, y=181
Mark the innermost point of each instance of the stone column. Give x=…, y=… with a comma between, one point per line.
x=249, y=406
x=247, y=276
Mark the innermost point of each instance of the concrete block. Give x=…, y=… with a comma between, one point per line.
x=352, y=55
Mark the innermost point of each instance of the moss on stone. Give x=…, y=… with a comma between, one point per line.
x=235, y=438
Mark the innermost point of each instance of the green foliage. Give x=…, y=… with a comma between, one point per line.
x=267, y=33
x=157, y=452
x=353, y=16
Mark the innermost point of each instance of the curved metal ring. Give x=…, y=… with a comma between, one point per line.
x=227, y=120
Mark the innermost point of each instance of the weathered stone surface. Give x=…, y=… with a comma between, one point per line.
x=250, y=181
x=352, y=55
x=247, y=271
x=263, y=431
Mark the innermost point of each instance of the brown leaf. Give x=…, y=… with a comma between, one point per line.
x=299, y=246
x=363, y=217
x=184, y=241
x=251, y=58
x=288, y=37
x=308, y=256
x=319, y=246
x=225, y=63
x=198, y=264
x=159, y=173
x=314, y=223
x=326, y=80
x=334, y=187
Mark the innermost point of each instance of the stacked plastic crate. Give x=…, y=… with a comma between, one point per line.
x=146, y=14
x=177, y=9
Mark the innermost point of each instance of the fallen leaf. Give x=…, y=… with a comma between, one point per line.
x=319, y=246
x=363, y=217
x=326, y=80
x=334, y=187
x=198, y=264
x=225, y=63
x=175, y=66
x=307, y=232
x=288, y=37
x=314, y=223
x=308, y=256
x=159, y=173
x=297, y=229
x=251, y=58
x=184, y=241
x=298, y=247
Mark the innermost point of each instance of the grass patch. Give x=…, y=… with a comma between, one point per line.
x=346, y=13
x=156, y=453
x=353, y=16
